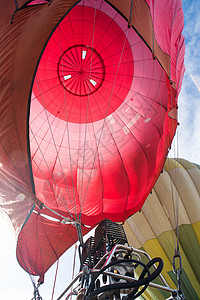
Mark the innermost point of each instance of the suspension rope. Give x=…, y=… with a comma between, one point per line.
x=172, y=187
x=55, y=278
x=178, y=200
x=171, y=208
x=36, y=294
x=175, y=197
x=177, y=255
x=74, y=262
x=65, y=220
x=79, y=232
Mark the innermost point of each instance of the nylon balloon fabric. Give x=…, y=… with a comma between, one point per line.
x=154, y=229
x=98, y=115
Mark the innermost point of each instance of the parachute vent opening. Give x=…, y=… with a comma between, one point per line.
x=80, y=68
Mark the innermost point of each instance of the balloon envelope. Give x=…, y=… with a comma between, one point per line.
x=89, y=99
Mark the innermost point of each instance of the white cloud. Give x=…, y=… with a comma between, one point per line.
x=196, y=80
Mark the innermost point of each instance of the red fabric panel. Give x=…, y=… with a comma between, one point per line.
x=72, y=39
x=168, y=24
x=42, y=242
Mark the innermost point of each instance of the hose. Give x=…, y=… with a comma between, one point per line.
x=135, y=284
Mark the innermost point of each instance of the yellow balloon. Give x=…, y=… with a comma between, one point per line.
x=175, y=200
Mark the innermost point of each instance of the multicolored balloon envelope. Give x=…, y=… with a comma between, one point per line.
x=88, y=112
x=175, y=197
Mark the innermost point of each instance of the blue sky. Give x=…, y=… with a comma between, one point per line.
x=189, y=109
x=15, y=283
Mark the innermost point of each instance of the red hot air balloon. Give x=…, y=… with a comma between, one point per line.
x=88, y=112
